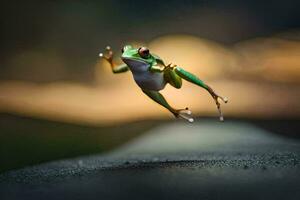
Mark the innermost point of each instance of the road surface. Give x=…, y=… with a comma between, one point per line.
x=204, y=160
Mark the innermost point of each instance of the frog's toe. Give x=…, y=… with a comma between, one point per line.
x=185, y=114
x=107, y=54
x=186, y=117
x=220, y=113
x=224, y=99
x=221, y=119
x=185, y=111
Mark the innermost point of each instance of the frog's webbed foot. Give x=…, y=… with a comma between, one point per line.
x=107, y=55
x=216, y=98
x=184, y=114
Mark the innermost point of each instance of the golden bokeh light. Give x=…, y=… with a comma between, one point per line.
x=255, y=75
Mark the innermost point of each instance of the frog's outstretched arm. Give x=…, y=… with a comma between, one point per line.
x=109, y=58
x=193, y=79
x=158, y=98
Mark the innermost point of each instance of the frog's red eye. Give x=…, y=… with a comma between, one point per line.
x=144, y=52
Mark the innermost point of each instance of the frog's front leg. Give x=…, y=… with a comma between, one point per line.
x=179, y=113
x=109, y=58
x=193, y=79
x=172, y=78
x=157, y=68
x=169, y=75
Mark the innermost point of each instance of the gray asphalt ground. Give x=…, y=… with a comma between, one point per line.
x=204, y=160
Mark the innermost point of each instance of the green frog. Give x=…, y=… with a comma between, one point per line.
x=151, y=74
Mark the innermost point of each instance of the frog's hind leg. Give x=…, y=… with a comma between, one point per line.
x=172, y=78
x=194, y=79
x=179, y=113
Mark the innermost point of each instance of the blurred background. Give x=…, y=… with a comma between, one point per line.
x=58, y=99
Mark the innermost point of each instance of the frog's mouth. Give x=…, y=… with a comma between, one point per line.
x=132, y=62
x=135, y=64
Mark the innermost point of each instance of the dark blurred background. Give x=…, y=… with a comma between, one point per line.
x=46, y=41
x=54, y=87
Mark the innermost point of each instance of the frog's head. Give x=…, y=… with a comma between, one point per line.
x=136, y=57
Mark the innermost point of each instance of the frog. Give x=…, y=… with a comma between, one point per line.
x=152, y=74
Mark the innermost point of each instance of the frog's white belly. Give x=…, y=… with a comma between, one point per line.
x=144, y=78
x=150, y=81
